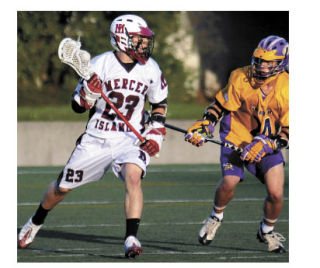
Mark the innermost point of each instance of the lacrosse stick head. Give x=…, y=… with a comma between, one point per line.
x=69, y=52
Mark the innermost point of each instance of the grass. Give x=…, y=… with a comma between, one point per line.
x=88, y=226
x=50, y=113
x=64, y=112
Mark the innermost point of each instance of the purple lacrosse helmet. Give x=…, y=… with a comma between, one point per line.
x=270, y=49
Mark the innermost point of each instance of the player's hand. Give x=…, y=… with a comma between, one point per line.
x=151, y=147
x=260, y=146
x=91, y=91
x=154, y=136
x=197, y=133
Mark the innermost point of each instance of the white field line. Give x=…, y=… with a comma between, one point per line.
x=102, y=225
x=156, y=252
x=146, y=201
x=225, y=256
x=251, y=257
x=23, y=171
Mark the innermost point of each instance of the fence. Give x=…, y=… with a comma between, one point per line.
x=51, y=143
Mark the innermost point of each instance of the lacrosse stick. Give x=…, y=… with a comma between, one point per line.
x=221, y=143
x=69, y=52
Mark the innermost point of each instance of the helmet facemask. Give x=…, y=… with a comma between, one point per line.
x=262, y=69
x=140, y=47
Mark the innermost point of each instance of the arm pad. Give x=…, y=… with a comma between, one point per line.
x=158, y=117
x=281, y=143
x=158, y=112
x=77, y=103
x=214, y=112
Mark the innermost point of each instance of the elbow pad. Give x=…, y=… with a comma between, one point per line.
x=281, y=143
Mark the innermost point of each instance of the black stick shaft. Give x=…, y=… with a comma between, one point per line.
x=221, y=143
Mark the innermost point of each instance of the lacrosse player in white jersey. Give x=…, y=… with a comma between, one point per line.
x=128, y=76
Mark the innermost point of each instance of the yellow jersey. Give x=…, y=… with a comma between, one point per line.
x=250, y=112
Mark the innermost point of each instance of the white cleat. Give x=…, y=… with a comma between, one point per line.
x=132, y=247
x=208, y=230
x=28, y=233
x=273, y=240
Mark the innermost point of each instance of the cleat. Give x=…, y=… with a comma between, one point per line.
x=208, y=230
x=132, y=247
x=28, y=233
x=273, y=240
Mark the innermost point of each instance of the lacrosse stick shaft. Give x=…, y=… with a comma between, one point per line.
x=221, y=143
x=175, y=128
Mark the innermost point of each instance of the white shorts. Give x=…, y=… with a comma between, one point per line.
x=93, y=157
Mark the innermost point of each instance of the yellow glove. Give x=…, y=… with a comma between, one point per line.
x=197, y=133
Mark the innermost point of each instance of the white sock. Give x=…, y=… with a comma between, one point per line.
x=217, y=215
x=266, y=228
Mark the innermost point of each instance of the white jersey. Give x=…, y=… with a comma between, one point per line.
x=128, y=90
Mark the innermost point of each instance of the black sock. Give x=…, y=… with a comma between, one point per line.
x=40, y=215
x=132, y=226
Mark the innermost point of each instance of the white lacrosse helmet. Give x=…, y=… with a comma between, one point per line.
x=123, y=28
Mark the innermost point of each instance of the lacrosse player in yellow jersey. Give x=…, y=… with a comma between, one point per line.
x=253, y=110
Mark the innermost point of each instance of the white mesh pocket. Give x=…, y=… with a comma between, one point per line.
x=69, y=53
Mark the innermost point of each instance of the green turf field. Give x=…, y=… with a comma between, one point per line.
x=178, y=110
x=88, y=226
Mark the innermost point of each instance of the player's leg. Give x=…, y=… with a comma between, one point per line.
x=81, y=168
x=223, y=195
x=52, y=197
x=233, y=173
x=133, y=208
x=134, y=194
x=133, y=198
x=271, y=172
x=130, y=165
x=274, y=180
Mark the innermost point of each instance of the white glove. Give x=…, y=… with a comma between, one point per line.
x=91, y=90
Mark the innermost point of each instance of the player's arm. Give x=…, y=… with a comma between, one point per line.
x=76, y=103
x=262, y=146
x=214, y=112
x=205, y=127
x=155, y=130
x=159, y=112
x=282, y=139
x=227, y=99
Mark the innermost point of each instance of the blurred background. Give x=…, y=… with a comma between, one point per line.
x=196, y=51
